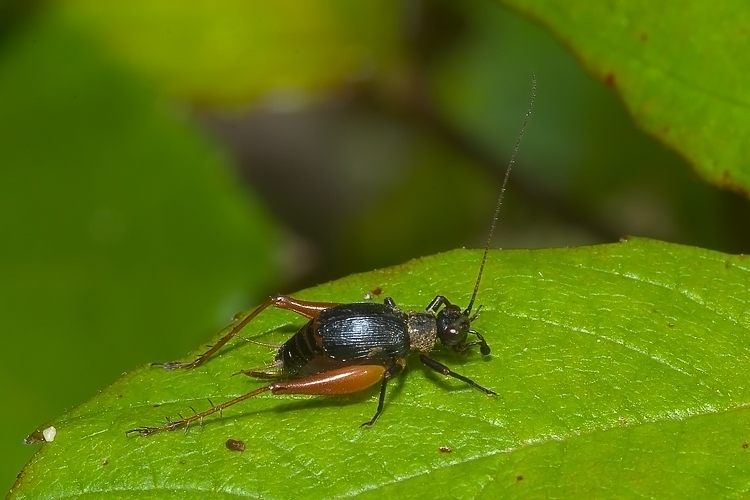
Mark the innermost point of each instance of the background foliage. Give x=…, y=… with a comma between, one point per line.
x=125, y=129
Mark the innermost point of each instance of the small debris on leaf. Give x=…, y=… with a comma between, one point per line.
x=235, y=445
x=45, y=436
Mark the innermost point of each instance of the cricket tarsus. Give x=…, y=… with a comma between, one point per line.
x=147, y=431
x=178, y=365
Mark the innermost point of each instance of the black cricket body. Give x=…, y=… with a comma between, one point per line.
x=347, y=334
x=347, y=348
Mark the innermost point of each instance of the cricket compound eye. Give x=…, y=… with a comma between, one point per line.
x=453, y=327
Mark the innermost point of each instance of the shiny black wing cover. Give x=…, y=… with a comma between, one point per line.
x=363, y=331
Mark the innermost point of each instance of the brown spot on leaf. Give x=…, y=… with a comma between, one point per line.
x=235, y=445
x=34, y=437
x=610, y=80
x=745, y=445
x=727, y=182
x=644, y=36
x=519, y=477
x=445, y=449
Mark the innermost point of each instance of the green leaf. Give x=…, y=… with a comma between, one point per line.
x=229, y=52
x=682, y=71
x=620, y=369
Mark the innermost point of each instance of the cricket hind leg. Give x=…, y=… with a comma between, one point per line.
x=304, y=308
x=345, y=380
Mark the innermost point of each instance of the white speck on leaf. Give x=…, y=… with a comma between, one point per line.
x=49, y=433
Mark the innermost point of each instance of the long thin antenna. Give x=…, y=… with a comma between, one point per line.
x=502, y=193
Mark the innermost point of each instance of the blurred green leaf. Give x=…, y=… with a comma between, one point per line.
x=230, y=51
x=620, y=370
x=681, y=69
x=582, y=159
x=123, y=237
